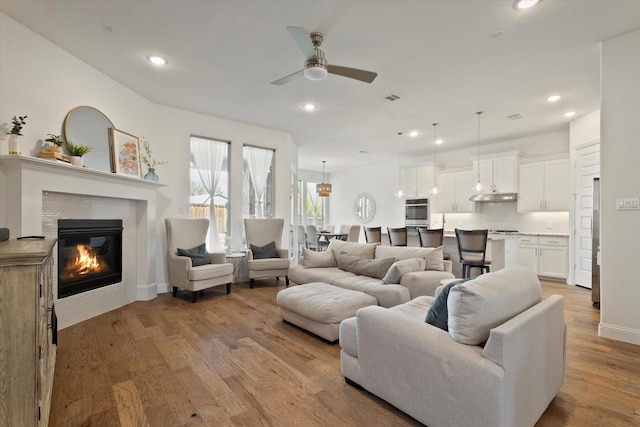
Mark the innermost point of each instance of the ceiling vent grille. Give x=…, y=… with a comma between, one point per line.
x=516, y=116
x=392, y=97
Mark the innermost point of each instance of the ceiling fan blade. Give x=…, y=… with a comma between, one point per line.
x=352, y=73
x=288, y=78
x=302, y=39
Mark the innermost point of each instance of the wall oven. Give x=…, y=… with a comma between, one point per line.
x=416, y=212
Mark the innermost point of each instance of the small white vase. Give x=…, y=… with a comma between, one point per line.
x=76, y=160
x=14, y=146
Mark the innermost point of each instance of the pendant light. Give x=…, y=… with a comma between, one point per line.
x=478, y=187
x=435, y=190
x=323, y=189
x=399, y=194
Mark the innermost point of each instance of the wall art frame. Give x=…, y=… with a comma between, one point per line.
x=125, y=153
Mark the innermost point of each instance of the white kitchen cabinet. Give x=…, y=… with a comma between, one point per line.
x=546, y=256
x=455, y=190
x=417, y=181
x=544, y=186
x=498, y=174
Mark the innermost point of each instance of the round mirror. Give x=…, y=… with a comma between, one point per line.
x=364, y=208
x=88, y=126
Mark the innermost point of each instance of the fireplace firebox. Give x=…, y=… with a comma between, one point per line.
x=89, y=254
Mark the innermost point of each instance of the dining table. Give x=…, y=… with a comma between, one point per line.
x=325, y=236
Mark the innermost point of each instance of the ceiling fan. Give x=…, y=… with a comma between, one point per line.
x=316, y=66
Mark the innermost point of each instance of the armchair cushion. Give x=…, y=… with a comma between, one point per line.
x=313, y=259
x=197, y=254
x=267, y=251
x=367, y=267
x=399, y=268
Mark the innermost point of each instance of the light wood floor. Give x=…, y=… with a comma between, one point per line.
x=228, y=360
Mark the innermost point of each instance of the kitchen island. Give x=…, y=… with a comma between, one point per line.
x=502, y=249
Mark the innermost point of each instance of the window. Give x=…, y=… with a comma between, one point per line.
x=257, y=187
x=314, y=205
x=209, y=182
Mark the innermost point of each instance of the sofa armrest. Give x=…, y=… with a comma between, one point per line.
x=448, y=265
x=421, y=370
x=218, y=257
x=284, y=253
x=178, y=267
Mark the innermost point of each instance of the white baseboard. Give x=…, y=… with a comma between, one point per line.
x=619, y=333
x=146, y=292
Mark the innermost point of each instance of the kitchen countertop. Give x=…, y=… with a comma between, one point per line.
x=504, y=236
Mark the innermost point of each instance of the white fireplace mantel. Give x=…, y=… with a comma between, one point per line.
x=24, y=179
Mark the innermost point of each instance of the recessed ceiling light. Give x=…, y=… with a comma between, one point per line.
x=309, y=106
x=525, y=4
x=413, y=133
x=439, y=141
x=570, y=114
x=553, y=98
x=157, y=60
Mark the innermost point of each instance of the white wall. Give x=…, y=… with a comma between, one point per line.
x=620, y=178
x=44, y=82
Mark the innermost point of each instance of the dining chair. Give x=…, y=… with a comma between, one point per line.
x=472, y=249
x=330, y=228
x=432, y=238
x=373, y=234
x=312, y=237
x=397, y=236
x=344, y=229
x=302, y=239
x=353, y=233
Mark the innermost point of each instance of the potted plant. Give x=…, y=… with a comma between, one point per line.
x=76, y=152
x=16, y=131
x=55, y=143
x=150, y=162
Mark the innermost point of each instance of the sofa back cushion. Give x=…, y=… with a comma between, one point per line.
x=433, y=256
x=479, y=305
x=364, y=266
x=313, y=259
x=362, y=250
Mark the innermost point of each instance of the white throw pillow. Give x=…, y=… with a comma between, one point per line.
x=434, y=259
x=479, y=305
x=399, y=268
x=313, y=259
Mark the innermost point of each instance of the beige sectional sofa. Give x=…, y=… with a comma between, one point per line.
x=404, y=286
x=500, y=363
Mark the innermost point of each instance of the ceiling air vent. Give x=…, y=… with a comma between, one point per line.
x=392, y=97
x=516, y=116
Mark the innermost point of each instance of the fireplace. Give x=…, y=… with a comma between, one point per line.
x=89, y=254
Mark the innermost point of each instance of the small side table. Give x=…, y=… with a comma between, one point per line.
x=239, y=261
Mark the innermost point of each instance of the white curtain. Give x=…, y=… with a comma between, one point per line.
x=313, y=195
x=258, y=161
x=209, y=157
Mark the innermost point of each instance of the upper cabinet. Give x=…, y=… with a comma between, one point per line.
x=499, y=174
x=544, y=186
x=418, y=181
x=455, y=190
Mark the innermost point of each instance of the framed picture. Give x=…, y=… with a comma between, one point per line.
x=125, y=153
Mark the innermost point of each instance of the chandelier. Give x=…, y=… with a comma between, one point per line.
x=323, y=189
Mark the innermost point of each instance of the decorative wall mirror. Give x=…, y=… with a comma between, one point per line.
x=364, y=208
x=89, y=126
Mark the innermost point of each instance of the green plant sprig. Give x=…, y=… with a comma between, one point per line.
x=77, y=150
x=147, y=158
x=18, y=123
x=55, y=139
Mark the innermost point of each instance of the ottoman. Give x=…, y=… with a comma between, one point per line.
x=319, y=307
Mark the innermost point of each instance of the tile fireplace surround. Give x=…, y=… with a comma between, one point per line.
x=35, y=193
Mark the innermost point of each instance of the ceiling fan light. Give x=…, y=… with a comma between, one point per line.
x=315, y=72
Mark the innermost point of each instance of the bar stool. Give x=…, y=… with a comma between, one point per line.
x=432, y=238
x=373, y=234
x=472, y=248
x=397, y=236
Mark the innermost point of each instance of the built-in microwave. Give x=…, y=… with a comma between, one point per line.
x=416, y=212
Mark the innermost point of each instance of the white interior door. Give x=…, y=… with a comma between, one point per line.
x=587, y=168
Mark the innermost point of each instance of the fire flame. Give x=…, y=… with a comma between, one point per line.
x=85, y=263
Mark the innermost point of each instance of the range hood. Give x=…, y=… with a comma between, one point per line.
x=494, y=197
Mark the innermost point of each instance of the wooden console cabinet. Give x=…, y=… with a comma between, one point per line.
x=27, y=332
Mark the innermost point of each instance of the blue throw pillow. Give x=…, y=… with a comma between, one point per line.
x=267, y=251
x=438, y=314
x=198, y=255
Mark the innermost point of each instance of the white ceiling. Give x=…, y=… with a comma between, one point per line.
x=442, y=57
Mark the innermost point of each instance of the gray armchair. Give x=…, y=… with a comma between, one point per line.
x=187, y=234
x=261, y=232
